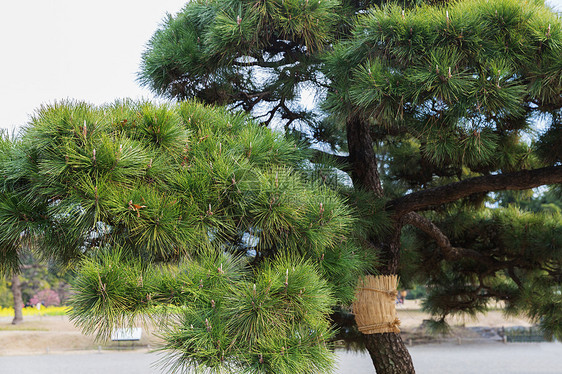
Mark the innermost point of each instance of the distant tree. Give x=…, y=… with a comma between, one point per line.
x=46, y=298
x=33, y=277
x=21, y=220
x=546, y=201
x=6, y=298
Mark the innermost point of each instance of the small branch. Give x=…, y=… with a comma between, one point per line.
x=490, y=292
x=318, y=156
x=272, y=113
x=451, y=253
x=261, y=62
x=511, y=272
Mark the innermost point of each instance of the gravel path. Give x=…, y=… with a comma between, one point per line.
x=497, y=358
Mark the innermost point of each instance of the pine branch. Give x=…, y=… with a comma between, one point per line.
x=451, y=253
x=318, y=156
x=262, y=63
x=272, y=113
x=521, y=180
x=516, y=279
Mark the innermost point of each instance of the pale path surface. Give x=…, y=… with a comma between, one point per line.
x=496, y=358
x=493, y=358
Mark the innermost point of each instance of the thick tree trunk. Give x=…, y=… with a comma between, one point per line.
x=364, y=170
x=18, y=301
x=388, y=351
x=389, y=354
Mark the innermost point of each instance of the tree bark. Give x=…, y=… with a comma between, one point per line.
x=449, y=252
x=18, y=301
x=388, y=351
x=389, y=354
x=364, y=170
x=521, y=180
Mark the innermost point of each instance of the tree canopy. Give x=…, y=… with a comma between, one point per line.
x=189, y=211
x=453, y=96
x=259, y=56
x=465, y=83
x=439, y=105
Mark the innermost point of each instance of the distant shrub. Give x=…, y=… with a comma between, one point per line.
x=46, y=298
x=417, y=292
x=6, y=299
x=31, y=311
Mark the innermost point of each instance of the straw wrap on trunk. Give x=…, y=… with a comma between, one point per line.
x=374, y=306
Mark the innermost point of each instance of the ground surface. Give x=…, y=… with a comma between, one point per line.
x=54, y=345
x=496, y=358
x=38, y=335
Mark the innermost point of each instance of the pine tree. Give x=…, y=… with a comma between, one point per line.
x=257, y=56
x=438, y=107
x=192, y=218
x=21, y=220
x=450, y=96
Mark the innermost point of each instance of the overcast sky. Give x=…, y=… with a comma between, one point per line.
x=84, y=50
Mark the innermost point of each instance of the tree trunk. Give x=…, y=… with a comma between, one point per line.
x=364, y=170
x=18, y=301
x=389, y=354
x=387, y=350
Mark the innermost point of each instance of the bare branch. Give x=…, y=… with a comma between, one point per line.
x=272, y=113
x=263, y=64
x=521, y=180
x=450, y=252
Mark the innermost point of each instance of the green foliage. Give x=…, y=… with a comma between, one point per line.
x=543, y=300
x=195, y=53
x=6, y=297
x=259, y=56
x=464, y=81
x=285, y=302
x=216, y=312
x=549, y=144
x=514, y=257
x=172, y=213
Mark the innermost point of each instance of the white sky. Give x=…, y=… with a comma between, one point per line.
x=84, y=50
